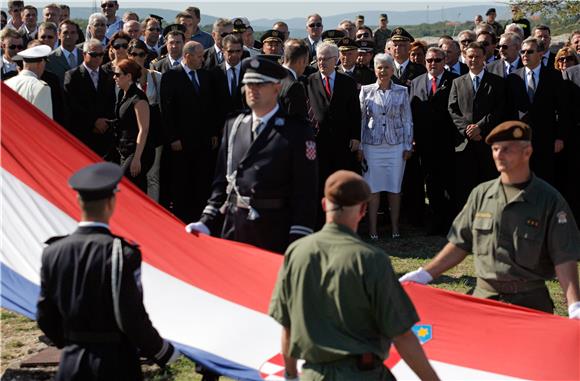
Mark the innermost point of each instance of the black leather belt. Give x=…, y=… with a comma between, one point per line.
x=509, y=287
x=93, y=337
x=263, y=203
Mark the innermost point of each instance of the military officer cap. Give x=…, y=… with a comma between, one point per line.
x=333, y=34
x=400, y=34
x=35, y=54
x=366, y=46
x=156, y=17
x=271, y=35
x=241, y=24
x=262, y=70
x=96, y=181
x=270, y=57
x=346, y=43
x=490, y=10
x=383, y=16
x=174, y=27
x=510, y=130
x=346, y=188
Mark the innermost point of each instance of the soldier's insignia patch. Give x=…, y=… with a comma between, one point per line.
x=424, y=332
x=311, y=150
x=562, y=217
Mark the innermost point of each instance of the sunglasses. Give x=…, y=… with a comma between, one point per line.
x=315, y=25
x=436, y=60
x=120, y=46
x=484, y=43
x=108, y=5
x=465, y=42
x=140, y=55
x=225, y=34
x=526, y=52
x=46, y=37
x=152, y=29
x=95, y=54
x=567, y=58
x=14, y=47
x=117, y=74
x=503, y=47
x=232, y=51
x=362, y=35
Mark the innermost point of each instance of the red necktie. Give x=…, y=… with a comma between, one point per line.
x=433, y=85
x=327, y=86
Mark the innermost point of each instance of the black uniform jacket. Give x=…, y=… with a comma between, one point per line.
x=75, y=309
x=278, y=172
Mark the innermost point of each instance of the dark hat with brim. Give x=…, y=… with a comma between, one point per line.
x=262, y=70
x=272, y=35
x=332, y=35
x=156, y=17
x=239, y=25
x=510, y=130
x=346, y=188
x=346, y=44
x=490, y=10
x=400, y=34
x=34, y=54
x=366, y=46
x=96, y=181
x=174, y=27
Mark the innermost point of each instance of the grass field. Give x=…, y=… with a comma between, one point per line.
x=20, y=335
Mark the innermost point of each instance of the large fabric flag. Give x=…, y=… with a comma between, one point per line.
x=210, y=296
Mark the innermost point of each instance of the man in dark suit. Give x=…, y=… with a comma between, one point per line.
x=292, y=95
x=67, y=56
x=537, y=97
x=476, y=105
x=452, y=53
x=214, y=56
x=348, y=54
x=435, y=136
x=336, y=110
x=266, y=177
x=314, y=29
x=90, y=93
x=174, y=43
x=189, y=107
x=543, y=33
x=509, y=51
x=229, y=74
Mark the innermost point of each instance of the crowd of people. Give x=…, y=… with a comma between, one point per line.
x=243, y=138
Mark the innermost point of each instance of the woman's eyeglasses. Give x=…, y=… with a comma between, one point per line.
x=117, y=74
x=120, y=46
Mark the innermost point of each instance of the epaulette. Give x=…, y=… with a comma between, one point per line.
x=52, y=240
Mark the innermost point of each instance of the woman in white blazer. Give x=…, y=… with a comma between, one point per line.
x=386, y=140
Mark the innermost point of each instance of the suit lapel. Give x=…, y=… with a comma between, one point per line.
x=468, y=90
x=87, y=78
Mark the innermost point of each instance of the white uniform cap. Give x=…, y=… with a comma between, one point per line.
x=244, y=20
x=33, y=54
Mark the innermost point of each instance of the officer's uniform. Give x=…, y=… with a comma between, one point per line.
x=91, y=301
x=361, y=74
x=516, y=234
x=265, y=185
x=28, y=85
x=341, y=300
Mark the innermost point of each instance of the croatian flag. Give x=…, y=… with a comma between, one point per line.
x=210, y=296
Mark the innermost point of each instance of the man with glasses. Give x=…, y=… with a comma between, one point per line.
x=67, y=56
x=452, y=51
x=91, y=98
x=151, y=34
x=113, y=23
x=476, y=105
x=509, y=51
x=314, y=30
x=435, y=136
x=537, y=97
x=47, y=34
x=465, y=38
x=348, y=54
x=214, y=55
x=28, y=83
x=29, y=30
x=229, y=74
x=174, y=43
x=488, y=41
x=11, y=45
x=15, y=21
x=543, y=33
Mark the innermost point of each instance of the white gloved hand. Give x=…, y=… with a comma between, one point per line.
x=197, y=227
x=174, y=356
x=418, y=276
x=574, y=311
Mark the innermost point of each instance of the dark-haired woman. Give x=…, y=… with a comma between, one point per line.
x=132, y=124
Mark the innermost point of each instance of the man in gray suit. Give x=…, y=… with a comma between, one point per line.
x=509, y=51
x=67, y=56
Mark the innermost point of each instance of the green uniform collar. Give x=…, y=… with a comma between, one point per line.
x=334, y=227
x=528, y=194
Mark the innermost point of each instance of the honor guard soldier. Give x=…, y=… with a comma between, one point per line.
x=519, y=229
x=91, y=301
x=266, y=175
x=338, y=300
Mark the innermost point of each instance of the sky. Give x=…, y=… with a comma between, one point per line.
x=296, y=8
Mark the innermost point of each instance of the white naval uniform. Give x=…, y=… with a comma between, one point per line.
x=33, y=90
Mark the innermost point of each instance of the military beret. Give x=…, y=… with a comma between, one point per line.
x=400, y=34
x=271, y=35
x=34, y=54
x=490, y=10
x=262, y=70
x=366, y=46
x=333, y=35
x=346, y=44
x=346, y=188
x=240, y=25
x=510, y=130
x=96, y=181
x=174, y=27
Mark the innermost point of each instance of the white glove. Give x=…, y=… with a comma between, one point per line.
x=174, y=356
x=418, y=276
x=574, y=311
x=197, y=227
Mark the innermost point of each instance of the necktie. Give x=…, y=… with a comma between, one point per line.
x=508, y=70
x=95, y=78
x=233, y=82
x=327, y=86
x=531, y=86
x=398, y=71
x=175, y=63
x=71, y=61
x=452, y=69
x=194, y=81
x=220, y=57
x=433, y=85
x=475, y=84
x=256, y=128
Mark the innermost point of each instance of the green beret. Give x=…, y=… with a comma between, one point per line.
x=510, y=130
